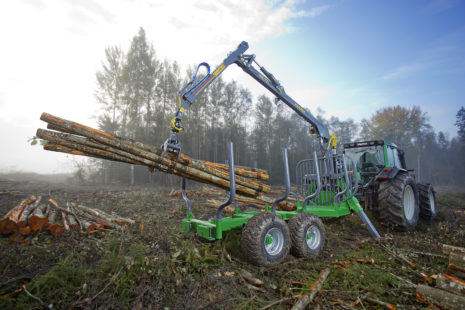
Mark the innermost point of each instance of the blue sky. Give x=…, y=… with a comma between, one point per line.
x=348, y=57
x=371, y=54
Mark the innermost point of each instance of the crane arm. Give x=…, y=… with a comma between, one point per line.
x=191, y=91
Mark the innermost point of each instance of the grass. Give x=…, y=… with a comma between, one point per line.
x=163, y=266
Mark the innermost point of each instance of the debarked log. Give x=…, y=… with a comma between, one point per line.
x=438, y=297
x=457, y=261
x=450, y=283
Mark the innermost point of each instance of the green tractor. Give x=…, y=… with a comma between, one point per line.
x=388, y=188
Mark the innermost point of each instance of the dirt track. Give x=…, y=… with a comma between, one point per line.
x=161, y=267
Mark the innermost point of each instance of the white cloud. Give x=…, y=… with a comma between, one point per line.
x=52, y=49
x=402, y=71
x=313, y=12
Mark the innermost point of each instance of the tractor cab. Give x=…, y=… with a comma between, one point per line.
x=376, y=159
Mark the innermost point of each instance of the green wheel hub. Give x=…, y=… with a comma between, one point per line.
x=274, y=241
x=268, y=239
x=313, y=237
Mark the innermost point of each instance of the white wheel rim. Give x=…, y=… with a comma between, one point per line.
x=274, y=241
x=313, y=237
x=409, y=202
x=431, y=202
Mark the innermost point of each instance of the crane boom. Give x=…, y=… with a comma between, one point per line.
x=191, y=91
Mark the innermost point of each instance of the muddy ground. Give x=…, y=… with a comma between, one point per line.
x=160, y=266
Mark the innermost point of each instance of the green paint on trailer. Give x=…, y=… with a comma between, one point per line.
x=213, y=229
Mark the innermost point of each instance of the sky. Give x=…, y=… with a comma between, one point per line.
x=346, y=57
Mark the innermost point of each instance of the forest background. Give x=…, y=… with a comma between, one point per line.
x=137, y=93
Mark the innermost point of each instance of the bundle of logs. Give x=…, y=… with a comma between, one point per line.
x=449, y=291
x=33, y=214
x=73, y=138
x=241, y=200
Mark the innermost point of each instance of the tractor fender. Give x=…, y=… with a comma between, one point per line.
x=389, y=173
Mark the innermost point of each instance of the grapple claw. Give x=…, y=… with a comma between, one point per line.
x=172, y=144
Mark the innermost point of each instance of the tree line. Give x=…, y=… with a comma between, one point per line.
x=137, y=93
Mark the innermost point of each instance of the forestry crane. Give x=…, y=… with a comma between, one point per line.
x=191, y=91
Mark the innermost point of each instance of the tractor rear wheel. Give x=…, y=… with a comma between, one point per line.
x=398, y=202
x=427, y=195
x=265, y=239
x=307, y=235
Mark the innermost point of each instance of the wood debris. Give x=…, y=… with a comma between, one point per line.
x=315, y=288
x=449, y=292
x=32, y=214
x=250, y=278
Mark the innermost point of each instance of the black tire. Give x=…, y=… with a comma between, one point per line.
x=395, y=203
x=254, y=240
x=428, y=210
x=300, y=226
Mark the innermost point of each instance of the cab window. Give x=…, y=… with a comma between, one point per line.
x=391, y=157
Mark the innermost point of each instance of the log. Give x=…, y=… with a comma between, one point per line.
x=58, y=227
x=23, y=219
x=88, y=226
x=51, y=219
x=457, y=261
x=132, y=155
x=110, y=217
x=253, y=173
x=450, y=283
x=37, y=219
x=179, y=165
x=440, y=298
x=71, y=151
x=73, y=213
x=15, y=238
x=447, y=249
x=8, y=224
x=99, y=216
x=72, y=221
x=25, y=230
x=306, y=299
x=65, y=220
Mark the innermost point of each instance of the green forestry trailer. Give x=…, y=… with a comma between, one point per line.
x=387, y=187
x=324, y=181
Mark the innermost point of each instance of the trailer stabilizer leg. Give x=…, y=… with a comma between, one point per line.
x=373, y=232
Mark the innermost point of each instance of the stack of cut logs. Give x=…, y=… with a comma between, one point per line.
x=449, y=292
x=32, y=215
x=241, y=200
x=73, y=138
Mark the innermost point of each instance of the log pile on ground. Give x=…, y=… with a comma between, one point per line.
x=33, y=214
x=449, y=292
x=73, y=138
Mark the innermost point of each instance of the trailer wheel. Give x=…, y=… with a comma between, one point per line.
x=398, y=202
x=307, y=235
x=427, y=195
x=265, y=239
